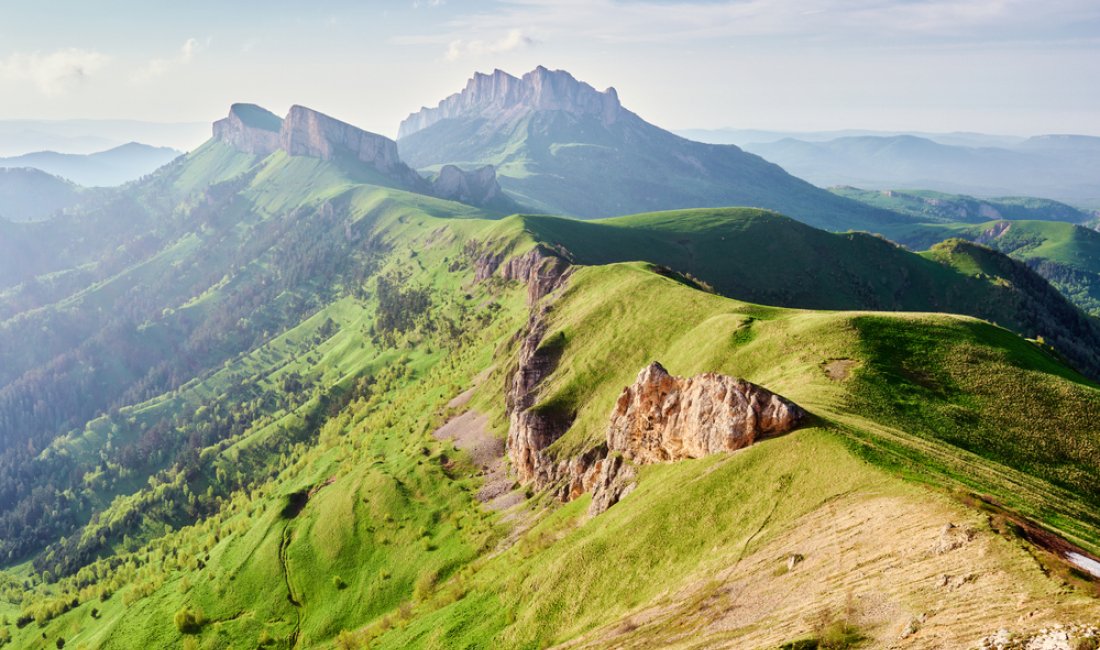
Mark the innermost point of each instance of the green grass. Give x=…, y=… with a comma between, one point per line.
x=931, y=206
x=392, y=544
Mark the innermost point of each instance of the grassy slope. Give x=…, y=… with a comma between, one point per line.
x=693, y=519
x=398, y=524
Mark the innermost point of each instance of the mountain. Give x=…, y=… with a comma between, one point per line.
x=1063, y=168
x=29, y=194
x=563, y=147
x=277, y=394
x=254, y=130
x=103, y=169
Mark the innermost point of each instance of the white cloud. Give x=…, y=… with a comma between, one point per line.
x=657, y=21
x=53, y=73
x=513, y=40
x=158, y=67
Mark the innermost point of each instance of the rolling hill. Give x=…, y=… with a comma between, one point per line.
x=562, y=147
x=277, y=395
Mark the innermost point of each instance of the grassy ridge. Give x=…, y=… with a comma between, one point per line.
x=764, y=258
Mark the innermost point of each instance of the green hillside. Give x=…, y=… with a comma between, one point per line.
x=1054, y=239
x=1067, y=255
x=246, y=361
x=766, y=258
x=931, y=206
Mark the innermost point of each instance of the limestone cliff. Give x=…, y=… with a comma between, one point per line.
x=309, y=133
x=306, y=132
x=250, y=129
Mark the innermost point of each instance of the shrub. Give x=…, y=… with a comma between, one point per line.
x=339, y=583
x=189, y=621
x=425, y=585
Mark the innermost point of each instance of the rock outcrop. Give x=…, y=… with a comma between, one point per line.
x=501, y=96
x=250, y=129
x=661, y=418
x=476, y=187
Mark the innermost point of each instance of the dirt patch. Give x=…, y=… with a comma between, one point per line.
x=462, y=399
x=838, y=369
x=470, y=433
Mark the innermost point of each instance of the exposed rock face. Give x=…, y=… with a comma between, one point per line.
x=309, y=133
x=501, y=96
x=540, y=269
x=305, y=132
x=661, y=418
x=477, y=187
x=250, y=129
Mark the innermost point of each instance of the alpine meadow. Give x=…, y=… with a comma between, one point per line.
x=539, y=373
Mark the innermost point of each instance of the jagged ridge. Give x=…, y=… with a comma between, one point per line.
x=499, y=95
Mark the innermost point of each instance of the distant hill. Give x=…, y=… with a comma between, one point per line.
x=1056, y=240
x=103, y=169
x=31, y=194
x=1064, y=168
x=928, y=205
x=563, y=147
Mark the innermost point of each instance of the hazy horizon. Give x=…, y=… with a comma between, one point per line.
x=989, y=66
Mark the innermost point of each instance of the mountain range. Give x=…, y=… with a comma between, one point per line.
x=1059, y=167
x=308, y=387
x=748, y=137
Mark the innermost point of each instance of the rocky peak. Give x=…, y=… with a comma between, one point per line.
x=250, y=128
x=501, y=95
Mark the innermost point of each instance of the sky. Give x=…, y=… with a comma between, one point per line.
x=1018, y=67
